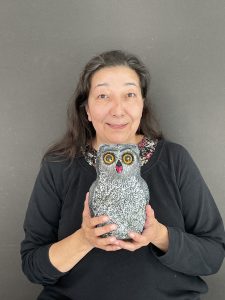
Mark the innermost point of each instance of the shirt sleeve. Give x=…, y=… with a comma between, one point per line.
x=41, y=229
x=199, y=248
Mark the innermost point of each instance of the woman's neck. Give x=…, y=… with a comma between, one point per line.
x=95, y=145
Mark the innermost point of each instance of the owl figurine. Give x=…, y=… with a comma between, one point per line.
x=119, y=190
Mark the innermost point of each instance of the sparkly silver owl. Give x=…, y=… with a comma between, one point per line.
x=119, y=190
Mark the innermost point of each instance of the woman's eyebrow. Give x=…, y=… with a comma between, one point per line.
x=130, y=83
x=107, y=84
x=101, y=84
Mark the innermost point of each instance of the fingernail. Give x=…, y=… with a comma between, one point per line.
x=113, y=227
x=131, y=234
x=105, y=219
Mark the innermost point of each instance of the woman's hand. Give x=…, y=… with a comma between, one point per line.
x=93, y=234
x=154, y=232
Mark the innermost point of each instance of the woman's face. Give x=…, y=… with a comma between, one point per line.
x=115, y=106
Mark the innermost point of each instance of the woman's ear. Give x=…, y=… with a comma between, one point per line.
x=88, y=112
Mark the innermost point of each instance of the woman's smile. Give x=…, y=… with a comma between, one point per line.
x=117, y=126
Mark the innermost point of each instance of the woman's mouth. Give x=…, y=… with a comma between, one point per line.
x=117, y=126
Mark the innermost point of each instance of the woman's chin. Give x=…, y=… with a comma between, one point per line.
x=121, y=140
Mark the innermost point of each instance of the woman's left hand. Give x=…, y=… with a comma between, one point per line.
x=154, y=232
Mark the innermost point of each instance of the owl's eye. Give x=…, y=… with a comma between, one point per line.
x=109, y=158
x=127, y=158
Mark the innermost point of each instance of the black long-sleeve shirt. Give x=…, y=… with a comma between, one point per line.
x=181, y=201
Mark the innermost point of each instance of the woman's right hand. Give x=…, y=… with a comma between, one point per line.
x=93, y=234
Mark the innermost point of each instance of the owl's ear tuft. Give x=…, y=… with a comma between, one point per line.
x=104, y=147
x=135, y=149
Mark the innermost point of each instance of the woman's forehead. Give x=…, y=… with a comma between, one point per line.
x=118, y=75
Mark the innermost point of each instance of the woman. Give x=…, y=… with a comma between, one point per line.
x=183, y=236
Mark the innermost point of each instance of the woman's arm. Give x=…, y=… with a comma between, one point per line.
x=65, y=254
x=44, y=258
x=41, y=229
x=199, y=248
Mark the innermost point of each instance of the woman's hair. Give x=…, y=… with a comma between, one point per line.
x=79, y=130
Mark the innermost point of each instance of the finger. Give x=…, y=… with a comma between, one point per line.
x=112, y=248
x=150, y=216
x=107, y=244
x=138, y=238
x=128, y=245
x=110, y=240
x=86, y=211
x=104, y=229
x=149, y=211
x=98, y=220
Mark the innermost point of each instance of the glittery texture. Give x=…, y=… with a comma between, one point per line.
x=120, y=195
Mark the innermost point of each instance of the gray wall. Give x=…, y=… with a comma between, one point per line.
x=43, y=46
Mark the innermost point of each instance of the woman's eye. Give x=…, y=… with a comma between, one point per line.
x=131, y=95
x=102, y=96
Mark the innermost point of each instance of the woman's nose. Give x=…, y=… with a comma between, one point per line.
x=117, y=108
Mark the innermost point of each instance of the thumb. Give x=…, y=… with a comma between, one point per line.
x=150, y=215
x=86, y=211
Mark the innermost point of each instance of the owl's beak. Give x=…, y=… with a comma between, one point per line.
x=119, y=167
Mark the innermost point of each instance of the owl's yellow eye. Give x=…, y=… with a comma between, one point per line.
x=127, y=158
x=109, y=158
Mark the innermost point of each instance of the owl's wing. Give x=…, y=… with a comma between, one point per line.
x=146, y=190
x=92, y=195
x=91, y=190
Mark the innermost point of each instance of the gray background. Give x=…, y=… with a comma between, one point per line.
x=43, y=46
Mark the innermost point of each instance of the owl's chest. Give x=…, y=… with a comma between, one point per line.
x=123, y=201
x=118, y=190
x=116, y=184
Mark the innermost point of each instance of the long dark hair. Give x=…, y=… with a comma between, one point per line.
x=79, y=130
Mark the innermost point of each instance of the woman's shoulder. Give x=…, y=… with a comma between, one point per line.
x=59, y=171
x=59, y=161
x=174, y=154
x=60, y=165
x=177, y=158
x=171, y=148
